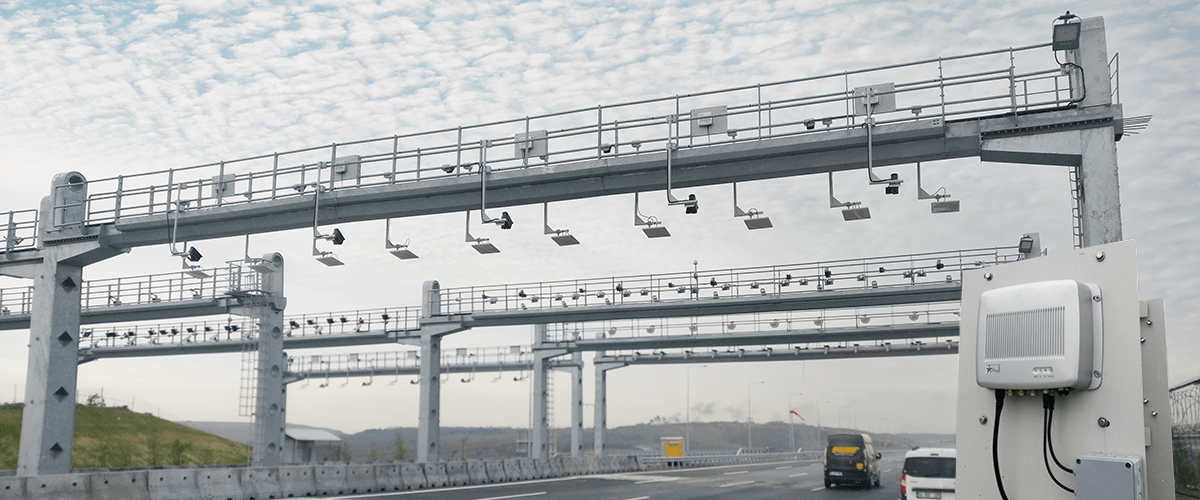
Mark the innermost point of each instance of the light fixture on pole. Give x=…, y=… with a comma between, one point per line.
x=481, y=245
x=654, y=227
x=868, y=100
x=750, y=415
x=325, y=257
x=504, y=221
x=562, y=237
x=852, y=210
x=691, y=205
x=1030, y=246
x=754, y=218
x=941, y=203
x=400, y=251
x=188, y=254
x=259, y=265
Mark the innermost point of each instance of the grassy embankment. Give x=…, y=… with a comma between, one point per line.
x=116, y=437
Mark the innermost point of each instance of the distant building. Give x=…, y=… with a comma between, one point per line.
x=309, y=446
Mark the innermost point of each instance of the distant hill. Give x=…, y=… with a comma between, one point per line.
x=117, y=437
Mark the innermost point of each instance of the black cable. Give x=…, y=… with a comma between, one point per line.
x=1045, y=437
x=996, y=441
x=1048, y=404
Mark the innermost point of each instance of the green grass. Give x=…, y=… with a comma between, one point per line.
x=116, y=437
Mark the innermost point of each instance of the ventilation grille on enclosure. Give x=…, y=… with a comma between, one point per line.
x=1030, y=334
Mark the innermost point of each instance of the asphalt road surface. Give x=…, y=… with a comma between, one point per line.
x=793, y=480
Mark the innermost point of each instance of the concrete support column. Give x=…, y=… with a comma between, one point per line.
x=540, y=433
x=270, y=417
x=48, y=423
x=1099, y=188
x=429, y=431
x=577, y=405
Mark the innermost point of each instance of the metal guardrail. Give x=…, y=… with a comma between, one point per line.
x=20, y=230
x=946, y=88
x=384, y=364
x=875, y=272
x=659, y=463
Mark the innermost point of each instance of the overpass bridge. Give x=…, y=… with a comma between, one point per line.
x=1014, y=105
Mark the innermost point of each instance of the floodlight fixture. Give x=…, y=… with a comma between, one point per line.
x=337, y=237
x=754, y=219
x=941, y=203
x=654, y=227
x=562, y=237
x=504, y=221
x=324, y=257
x=1066, y=33
x=853, y=209
x=193, y=255
x=1030, y=246
x=399, y=251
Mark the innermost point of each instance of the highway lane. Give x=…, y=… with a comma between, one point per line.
x=792, y=480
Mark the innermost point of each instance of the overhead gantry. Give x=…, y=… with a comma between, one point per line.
x=1043, y=112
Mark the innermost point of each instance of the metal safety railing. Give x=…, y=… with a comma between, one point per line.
x=741, y=324
x=1007, y=81
x=20, y=230
x=188, y=285
x=397, y=363
x=843, y=274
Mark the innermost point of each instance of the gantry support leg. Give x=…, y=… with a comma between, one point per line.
x=1099, y=196
x=601, y=418
x=577, y=405
x=540, y=434
x=270, y=418
x=433, y=326
x=48, y=421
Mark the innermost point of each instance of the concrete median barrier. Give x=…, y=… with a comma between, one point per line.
x=477, y=472
x=125, y=485
x=456, y=473
x=512, y=470
x=330, y=479
x=387, y=477
x=528, y=470
x=58, y=487
x=219, y=484
x=435, y=475
x=261, y=483
x=360, y=478
x=296, y=481
x=591, y=465
x=541, y=468
x=413, y=476
x=495, y=471
x=173, y=484
x=12, y=487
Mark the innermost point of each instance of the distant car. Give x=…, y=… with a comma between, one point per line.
x=928, y=474
x=851, y=459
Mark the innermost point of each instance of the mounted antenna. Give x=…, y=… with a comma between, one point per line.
x=400, y=251
x=938, y=206
x=481, y=245
x=754, y=220
x=852, y=210
x=561, y=236
x=654, y=227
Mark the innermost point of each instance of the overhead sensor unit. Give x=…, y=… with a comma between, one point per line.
x=1042, y=335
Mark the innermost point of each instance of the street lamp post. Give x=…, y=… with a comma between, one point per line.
x=791, y=417
x=750, y=416
x=687, y=425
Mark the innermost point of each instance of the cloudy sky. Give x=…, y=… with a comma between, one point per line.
x=118, y=88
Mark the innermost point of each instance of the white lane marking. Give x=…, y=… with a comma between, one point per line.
x=658, y=480
x=522, y=495
x=736, y=484
x=818, y=488
x=784, y=467
x=736, y=472
x=798, y=475
x=887, y=470
x=638, y=498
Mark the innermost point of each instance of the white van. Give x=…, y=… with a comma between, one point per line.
x=928, y=474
